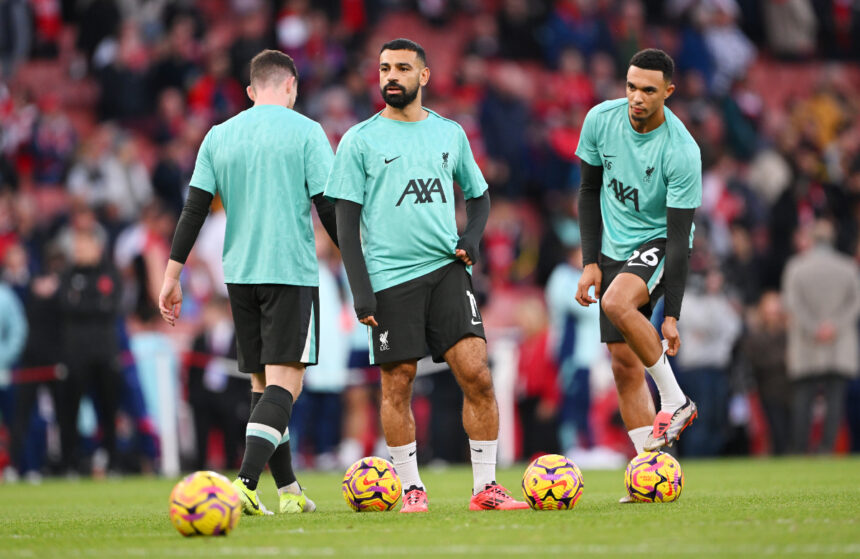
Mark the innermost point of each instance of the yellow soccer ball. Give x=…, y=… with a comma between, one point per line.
x=654, y=477
x=205, y=504
x=552, y=482
x=371, y=485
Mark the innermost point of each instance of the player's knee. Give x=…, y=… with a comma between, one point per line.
x=479, y=386
x=628, y=375
x=612, y=306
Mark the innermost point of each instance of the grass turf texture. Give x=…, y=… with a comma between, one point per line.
x=729, y=508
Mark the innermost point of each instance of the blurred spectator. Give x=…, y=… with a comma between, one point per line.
x=40, y=366
x=538, y=394
x=124, y=79
x=13, y=336
x=764, y=348
x=110, y=177
x=216, y=95
x=140, y=253
x=518, y=22
x=89, y=296
x=791, y=27
x=98, y=20
x=576, y=345
x=710, y=327
x=822, y=296
x=176, y=65
x=15, y=35
x=53, y=142
x=218, y=395
x=731, y=51
x=317, y=414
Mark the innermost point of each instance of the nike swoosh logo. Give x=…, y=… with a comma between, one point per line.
x=478, y=449
x=413, y=453
x=604, y=155
x=475, y=323
x=387, y=161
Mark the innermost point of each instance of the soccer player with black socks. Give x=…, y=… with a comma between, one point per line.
x=268, y=164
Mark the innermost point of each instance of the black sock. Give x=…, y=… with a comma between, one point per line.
x=269, y=420
x=281, y=465
x=255, y=399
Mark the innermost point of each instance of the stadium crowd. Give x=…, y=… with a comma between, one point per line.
x=104, y=103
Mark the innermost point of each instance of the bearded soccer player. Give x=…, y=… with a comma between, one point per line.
x=267, y=163
x=409, y=270
x=641, y=183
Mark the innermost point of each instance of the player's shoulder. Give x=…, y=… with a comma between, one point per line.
x=610, y=108
x=681, y=138
x=443, y=121
x=358, y=132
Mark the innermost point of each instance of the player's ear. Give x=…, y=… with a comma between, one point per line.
x=289, y=84
x=670, y=89
x=250, y=91
x=424, y=77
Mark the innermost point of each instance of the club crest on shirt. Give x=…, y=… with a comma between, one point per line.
x=383, y=341
x=444, y=159
x=648, y=172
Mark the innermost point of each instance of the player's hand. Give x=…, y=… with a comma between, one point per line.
x=825, y=333
x=170, y=300
x=670, y=333
x=591, y=275
x=464, y=256
x=369, y=321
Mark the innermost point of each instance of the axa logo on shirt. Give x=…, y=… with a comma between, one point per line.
x=624, y=193
x=423, y=190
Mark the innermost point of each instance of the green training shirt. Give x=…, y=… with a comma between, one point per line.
x=643, y=174
x=267, y=163
x=403, y=173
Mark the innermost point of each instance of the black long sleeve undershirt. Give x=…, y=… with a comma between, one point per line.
x=349, y=233
x=590, y=218
x=477, y=213
x=678, y=224
x=190, y=221
x=326, y=211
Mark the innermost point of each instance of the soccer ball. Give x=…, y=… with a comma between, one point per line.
x=552, y=482
x=654, y=477
x=205, y=504
x=371, y=484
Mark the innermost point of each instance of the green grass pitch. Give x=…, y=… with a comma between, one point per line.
x=729, y=508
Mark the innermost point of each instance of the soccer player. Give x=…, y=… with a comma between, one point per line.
x=641, y=183
x=267, y=163
x=409, y=271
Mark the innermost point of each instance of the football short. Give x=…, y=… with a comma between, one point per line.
x=647, y=262
x=275, y=324
x=432, y=312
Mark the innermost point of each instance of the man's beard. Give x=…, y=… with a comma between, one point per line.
x=401, y=99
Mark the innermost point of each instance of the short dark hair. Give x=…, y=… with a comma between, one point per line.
x=406, y=44
x=271, y=64
x=654, y=59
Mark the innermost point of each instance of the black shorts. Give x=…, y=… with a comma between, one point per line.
x=434, y=312
x=275, y=324
x=647, y=262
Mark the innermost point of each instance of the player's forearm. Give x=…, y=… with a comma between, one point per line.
x=326, y=211
x=590, y=219
x=349, y=234
x=678, y=225
x=477, y=213
x=190, y=221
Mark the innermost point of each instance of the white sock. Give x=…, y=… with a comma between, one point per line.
x=638, y=437
x=293, y=488
x=405, y=460
x=483, y=463
x=671, y=395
